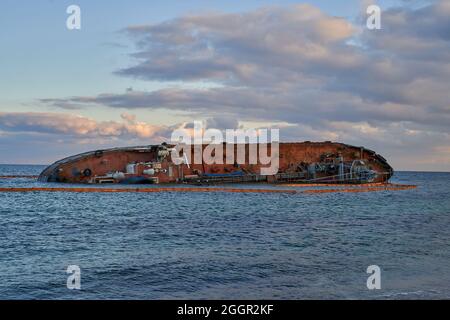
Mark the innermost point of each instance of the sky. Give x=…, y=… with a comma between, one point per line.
x=136, y=70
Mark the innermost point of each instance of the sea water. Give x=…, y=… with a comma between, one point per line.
x=225, y=245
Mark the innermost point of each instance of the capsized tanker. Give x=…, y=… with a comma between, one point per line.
x=302, y=162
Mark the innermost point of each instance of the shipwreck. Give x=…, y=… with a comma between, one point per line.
x=303, y=162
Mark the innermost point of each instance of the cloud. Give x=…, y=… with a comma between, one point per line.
x=236, y=48
x=43, y=137
x=77, y=126
x=323, y=75
x=38, y=137
x=294, y=63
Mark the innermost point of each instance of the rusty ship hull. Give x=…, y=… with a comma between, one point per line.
x=302, y=162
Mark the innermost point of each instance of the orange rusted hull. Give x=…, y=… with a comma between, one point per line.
x=306, y=162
